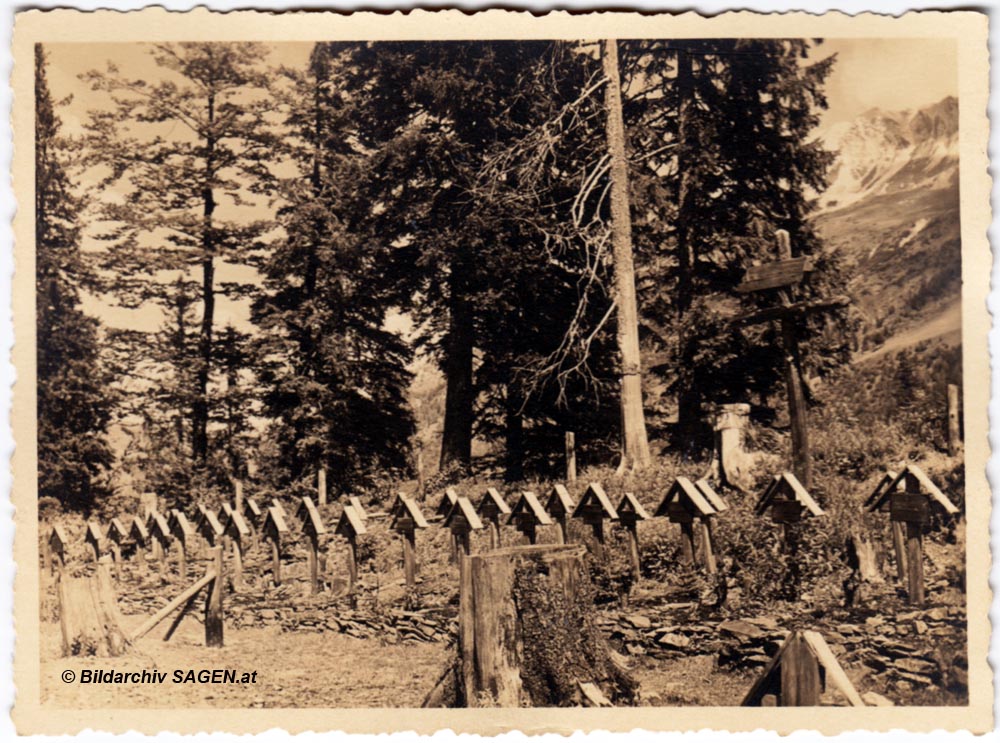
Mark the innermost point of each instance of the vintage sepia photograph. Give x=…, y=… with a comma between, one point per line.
x=521, y=372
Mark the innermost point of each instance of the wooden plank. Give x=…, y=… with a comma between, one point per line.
x=163, y=613
x=834, y=671
x=775, y=275
x=595, y=496
x=630, y=504
x=213, y=606
x=714, y=499
x=909, y=507
x=529, y=505
x=359, y=509
x=915, y=564
x=570, y=456
x=463, y=509
x=802, y=495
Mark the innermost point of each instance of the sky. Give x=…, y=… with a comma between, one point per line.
x=891, y=74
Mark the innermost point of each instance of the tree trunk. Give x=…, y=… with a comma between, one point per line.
x=456, y=439
x=89, y=616
x=514, y=450
x=635, y=446
x=527, y=635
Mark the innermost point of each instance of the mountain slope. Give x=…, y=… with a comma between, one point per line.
x=892, y=210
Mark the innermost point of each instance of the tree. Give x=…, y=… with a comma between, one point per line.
x=732, y=119
x=180, y=148
x=74, y=406
x=335, y=377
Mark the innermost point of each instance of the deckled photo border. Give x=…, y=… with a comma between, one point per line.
x=157, y=24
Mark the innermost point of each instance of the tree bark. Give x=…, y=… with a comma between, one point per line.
x=88, y=615
x=514, y=449
x=456, y=439
x=635, y=446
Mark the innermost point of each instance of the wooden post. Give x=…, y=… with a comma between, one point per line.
x=410, y=556
x=707, y=549
x=312, y=560
x=47, y=564
x=570, y=456
x=687, y=542
x=631, y=529
x=798, y=416
x=213, y=604
x=598, y=526
x=494, y=532
x=464, y=543
x=182, y=556
x=238, y=496
x=321, y=486
x=800, y=679
x=352, y=567
x=954, y=431
x=914, y=550
x=899, y=547
x=237, y=543
x=276, y=560
x=421, y=488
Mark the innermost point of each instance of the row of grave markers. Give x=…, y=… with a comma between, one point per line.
x=693, y=505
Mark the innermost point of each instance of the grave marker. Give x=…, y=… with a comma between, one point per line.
x=253, y=517
x=312, y=525
x=181, y=530
x=527, y=515
x=139, y=535
x=780, y=276
x=788, y=502
x=461, y=521
x=911, y=508
x=160, y=535
x=406, y=519
x=559, y=506
x=630, y=513
x=58, y=542
x=94, y=538
x=274, y=530
x=350, y=526
x=358, y=508
x=491, y=507
x=595, y=508
x=444, y=507
x=209, y=527
x=237, y=531
x=117, y=535
x=686, y=502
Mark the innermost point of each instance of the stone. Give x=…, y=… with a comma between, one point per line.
x=769, y=623
x=874, y=621
x=672, y=640
x=741, y=630
x=920, y=627
x=639, y=621
x=937, y=614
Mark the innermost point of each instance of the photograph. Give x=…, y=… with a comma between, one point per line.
x=624, y=370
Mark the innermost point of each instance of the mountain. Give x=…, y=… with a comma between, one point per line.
x=892, y=211
x=891, y=152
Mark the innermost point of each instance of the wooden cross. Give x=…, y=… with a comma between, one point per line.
x=686, y=501
x=630, y=513
x=778, y=277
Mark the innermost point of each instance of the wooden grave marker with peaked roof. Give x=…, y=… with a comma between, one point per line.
x=911, y=508
x=58, y=542
x=406, y=519
x=461, y=521
x=160, y=536
x=182, y=530
x=797, y=674
x=789, y=502
x=140, y=535
x=594, y=509
x=95, y=539
x=560, y=506
x=685, y=503
x=490, y=508
x=253, y=515
x=208, y=526
x=314, y=528
x=527, y=515
x=238, y=533
x=444, y=507
x=630, y=513
x=117, y=536
x=359, y=509
x=350, y=526
x=274, y=530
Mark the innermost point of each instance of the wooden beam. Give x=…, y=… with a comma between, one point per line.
x=794, y=308
x=163, y=613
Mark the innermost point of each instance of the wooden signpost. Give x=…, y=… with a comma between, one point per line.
x=350, y=526
x=95, y=539
x=58, y=542
x=312, y=525
x=181, y=530
x=797, y=674
x=630, y=513
x=274, y=530
x=491, y=507
x=159, y=532
x=406, y=519
x=910, y=509
x=139, y=535
x=685, y=502
x=779, y=277
x=461, y=522
x=527, y=515
x=788, y=502
x=595, y=508
x=238, y=532
x=559, y=506
x=117, y=536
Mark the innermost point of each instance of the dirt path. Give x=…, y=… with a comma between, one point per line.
x=294, y=669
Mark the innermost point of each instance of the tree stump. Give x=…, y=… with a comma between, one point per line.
x=88, y=615
x=527, y=635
